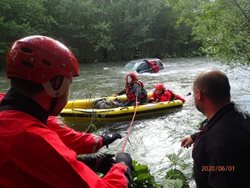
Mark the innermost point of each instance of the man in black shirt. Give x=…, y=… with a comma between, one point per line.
x=221, y=150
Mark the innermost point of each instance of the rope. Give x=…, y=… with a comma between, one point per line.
x=129, y=128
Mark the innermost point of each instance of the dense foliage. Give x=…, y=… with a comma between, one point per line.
x=222, y=27
x=108, y=30
x=142, y=177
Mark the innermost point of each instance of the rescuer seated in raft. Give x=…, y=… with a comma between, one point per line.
x=161, y=94
x=134, y=90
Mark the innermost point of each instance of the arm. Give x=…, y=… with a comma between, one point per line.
x=154, y=97
x=46, y=158
x=119, y=93
x=187, y=141
x=122, y=92
x=80, y=142
x=137, y=90
x=177, y=97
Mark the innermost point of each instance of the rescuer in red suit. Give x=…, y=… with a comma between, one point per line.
x=161, y=94
x=41, y=70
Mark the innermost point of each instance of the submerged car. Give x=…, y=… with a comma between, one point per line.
x=151, y=65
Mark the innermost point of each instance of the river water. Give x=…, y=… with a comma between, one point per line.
x=152, y=140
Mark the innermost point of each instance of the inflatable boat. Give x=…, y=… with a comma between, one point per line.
x=84, y=111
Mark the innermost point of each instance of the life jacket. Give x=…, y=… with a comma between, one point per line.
x=166, y=95
x=130, y=92
x=154, y=66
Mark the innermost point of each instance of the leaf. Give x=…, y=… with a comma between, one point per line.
x=169, y=183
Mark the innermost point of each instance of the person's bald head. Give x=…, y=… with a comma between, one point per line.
x=214, y=84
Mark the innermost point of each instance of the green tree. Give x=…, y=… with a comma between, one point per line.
x=20, y=18
x=222, y=27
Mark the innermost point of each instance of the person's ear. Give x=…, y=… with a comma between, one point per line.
x=199, y=95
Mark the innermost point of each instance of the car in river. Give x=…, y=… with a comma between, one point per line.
x=150, y=65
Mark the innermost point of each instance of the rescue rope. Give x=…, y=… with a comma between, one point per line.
x=129, y=130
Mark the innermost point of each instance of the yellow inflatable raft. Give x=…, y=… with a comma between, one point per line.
x=83, y=111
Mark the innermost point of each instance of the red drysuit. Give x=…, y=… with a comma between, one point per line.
x=34, y=155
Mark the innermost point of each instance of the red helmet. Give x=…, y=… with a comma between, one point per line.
x=159, y=86
x=131, y=77
x=39, y=59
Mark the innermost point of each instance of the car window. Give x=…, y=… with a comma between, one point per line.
x=131, y=66
x=159, y=63
x=143, y=67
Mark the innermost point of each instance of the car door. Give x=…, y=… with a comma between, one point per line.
x=143, y=67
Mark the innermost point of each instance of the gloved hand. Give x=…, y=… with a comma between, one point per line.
x=108, y=139
x=127, y=160
x=98, y=162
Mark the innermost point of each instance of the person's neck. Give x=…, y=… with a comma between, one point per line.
x=212, y=108
x=41, y=99
x=17, y=100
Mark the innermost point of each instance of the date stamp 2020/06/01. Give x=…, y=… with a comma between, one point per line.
x=217, y=168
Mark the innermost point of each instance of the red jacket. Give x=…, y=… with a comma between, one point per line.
x=33, y=155
x=166, y=95
x=80, y=142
